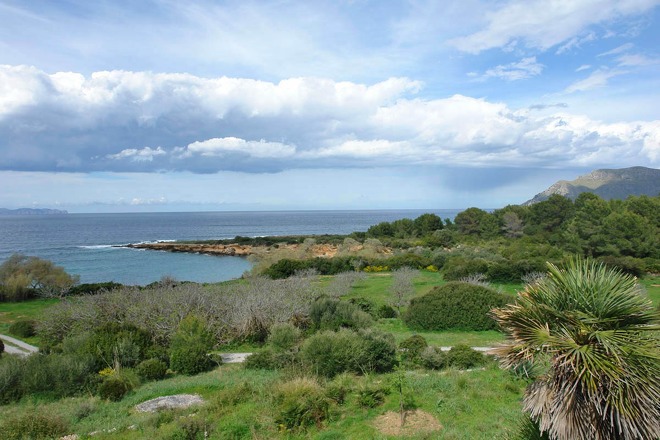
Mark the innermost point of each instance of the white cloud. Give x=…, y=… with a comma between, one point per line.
x=207, y=125
x=221, y=146
x=144, y=154
x=576, y=42
x=597, y=79
x=523, y=69
x=617, y=50
x=583, y=67
x=542, y=24
x=636, y=60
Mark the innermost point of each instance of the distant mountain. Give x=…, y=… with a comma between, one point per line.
x=607, y=184
x=32, y=211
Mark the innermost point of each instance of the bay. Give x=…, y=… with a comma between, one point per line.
x=84, y=244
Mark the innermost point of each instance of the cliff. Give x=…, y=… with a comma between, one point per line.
x=607, y=184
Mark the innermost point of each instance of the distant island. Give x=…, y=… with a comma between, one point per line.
x=607, y=184
x=32, y=211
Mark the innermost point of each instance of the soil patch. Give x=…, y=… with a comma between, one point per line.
x=416, y=422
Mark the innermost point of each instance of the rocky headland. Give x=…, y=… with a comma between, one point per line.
x=322, y=250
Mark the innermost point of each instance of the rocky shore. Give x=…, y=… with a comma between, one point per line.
x=289, y=250
x=234, y=250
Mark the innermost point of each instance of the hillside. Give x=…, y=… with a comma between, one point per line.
x=32, y=211
x=608, y=184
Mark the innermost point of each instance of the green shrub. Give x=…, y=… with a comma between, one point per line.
x=301, y=403
x=387, y=311
x=190, y=346
x=365, y=304
x=372, y=394
x=333, y=314
x=23, y=328
x=340, y=387
x=93, y=288
x=283, y=336
x=32, y=425
x=330, y=353
x=190, y=429
x=433, y=358
x=116, y=385
x=455, y=305
x=151, y=369
x=269, y=359
x=110, y=342
x=11, y=372
x=459, y=267
x=378, y=352
x=412, y=348
x=463, y=357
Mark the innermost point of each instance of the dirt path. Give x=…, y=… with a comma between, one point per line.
x=15, y=346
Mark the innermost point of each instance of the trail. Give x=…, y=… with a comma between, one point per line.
x=15, y=346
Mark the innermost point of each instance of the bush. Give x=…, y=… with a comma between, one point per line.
x=301, y=403
x=459, y=267
x=455, y=305
x=366, y=305
x=412, y=348
x=371, y=395
x=387, y=311
x=94, y=288
x=33, y=425
x=333, y=314
x=331, y=353
x=190, y=347
x=464, y=357
x=340, y=387
x=115, y=385
x=433, y=358
x=23, y=328
x=283, y=336
x=269, y=359
x=152, y=369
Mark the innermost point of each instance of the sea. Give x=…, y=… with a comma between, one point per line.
x=86, y=244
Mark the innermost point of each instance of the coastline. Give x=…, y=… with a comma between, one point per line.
x=245, y=250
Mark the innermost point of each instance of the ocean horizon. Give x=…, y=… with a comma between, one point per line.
x=85, y=243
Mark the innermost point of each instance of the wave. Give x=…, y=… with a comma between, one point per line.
x=97, y=246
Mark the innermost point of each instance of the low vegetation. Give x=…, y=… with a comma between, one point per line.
x=340, y=344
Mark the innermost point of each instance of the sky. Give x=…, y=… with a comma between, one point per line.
x=164, y=105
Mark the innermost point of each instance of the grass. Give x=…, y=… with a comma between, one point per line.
x=482, y=404
x=12, y=312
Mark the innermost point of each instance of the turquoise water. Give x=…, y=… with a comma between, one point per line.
x=83, y=243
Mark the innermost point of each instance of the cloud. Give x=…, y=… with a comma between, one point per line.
x=597, y=79
x=220, y=147
x=583, y=67
x=617, y=50
x=636, y=60
x=144, y=154
x=542, y=24
x=576, y=42
x=144, y=122
x=523, y=69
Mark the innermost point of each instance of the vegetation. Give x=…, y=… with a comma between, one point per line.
x=331, y=354
x=585, y=330
x=23, y=277
x=455, y=305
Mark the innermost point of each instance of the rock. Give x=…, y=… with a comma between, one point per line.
x=169, y=402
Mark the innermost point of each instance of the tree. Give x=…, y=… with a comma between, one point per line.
x=587, y=329
x=402, y=287
x=477, y=222
x=20, y=273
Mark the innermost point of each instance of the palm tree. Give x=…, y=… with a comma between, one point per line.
x=591, y=333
